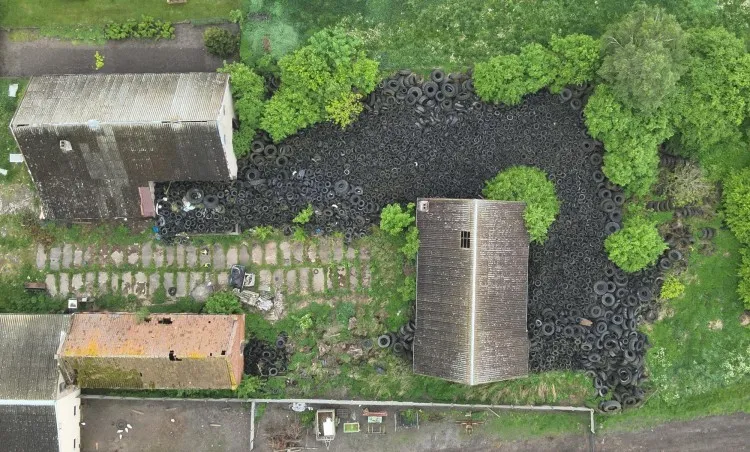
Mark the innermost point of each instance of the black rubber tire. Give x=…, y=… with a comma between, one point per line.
x=437, y=76
x=608, y=300
x=272, y=371
x=600, y=287
x=610, y=406
x=384, y=341
x=674, y=255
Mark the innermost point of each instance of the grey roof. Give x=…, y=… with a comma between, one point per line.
x=129, y=98
x=28, y=428
x=471, y=302
x=28, y=343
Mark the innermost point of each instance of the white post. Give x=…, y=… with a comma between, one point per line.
x=252, y=425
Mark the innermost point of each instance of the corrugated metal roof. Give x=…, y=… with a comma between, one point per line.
x=122, y=335
x=471, y=302
x=28, y=343
x=28, y=428
x=121, y=98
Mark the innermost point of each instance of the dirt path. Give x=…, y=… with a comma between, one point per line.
x=185, y=53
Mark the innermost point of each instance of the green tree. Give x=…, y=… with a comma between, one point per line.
x=631, y=139
x=642, y=57
x=248, y=90
x=317, y=81
x=578, y=59
x=394, y=218
x=736, y=198
x=743, y=288
x=636, y=246
x=715, y=90
x=524, y=183
x=222, y=303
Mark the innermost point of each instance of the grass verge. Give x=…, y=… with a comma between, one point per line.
x=7, y=144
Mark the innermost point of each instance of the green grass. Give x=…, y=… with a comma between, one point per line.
x=696, y=371
x=509, y=426
x=7, y=144
x=53, y=13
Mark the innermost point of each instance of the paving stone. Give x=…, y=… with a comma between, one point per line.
x=77, y=258
x=168, y=282
x=154, y=282
x=220, y=259
x=278, y=278
x=338, y=250
x=41, y=257
x=232, y=257
x=324, y=251
x=67, y=256
x=115, y=283
x=351, y=254
x=182, y=284
x=191, y=256
x=196, y=278
x=204, y=256
x=304, y=281
x=353, y=280
x=98, y=257
x=133, y=256
x=103, y=282
x=330, y=278
x=127, y=283
x=364, y=253
x=90, y=283
x=169, y=256
x=286, y=252
x=291, y=281
x=298, y=252
x=116, y=257
x=366, y=276
x=64, y=284
x=312, y=252
x=265, y=278
x=54, y=259
x=244, y=256
x=318, y=280
x=257, y=254
x=179, y=256
x=270, y=253
x=51, y=282
x=76, y=283
x=141, y=282
x=158, y=256
x=88, y=256
x=146, y=254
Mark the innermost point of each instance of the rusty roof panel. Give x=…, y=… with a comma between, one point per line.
x=471, y=302
x=122, y=98
x=110, y=335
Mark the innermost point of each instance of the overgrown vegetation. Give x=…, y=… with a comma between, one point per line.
x=530, y=185
x=248, y=92
x=304, y=215
x=687, y=185
x=222, y=303
x=636, y=246
x=401, y=223
x=7, y=144
x=221, y=42
x=146, y=28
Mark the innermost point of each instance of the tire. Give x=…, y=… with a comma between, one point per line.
x=610, y=406
x=600, y=287
x=384, y=341
x=608, y=300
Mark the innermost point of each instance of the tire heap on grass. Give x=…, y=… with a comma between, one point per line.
x=415, y=142
x=266, y=360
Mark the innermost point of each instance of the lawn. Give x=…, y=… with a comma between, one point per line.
x=7, y=144
x=52, y=13
x=696, y=370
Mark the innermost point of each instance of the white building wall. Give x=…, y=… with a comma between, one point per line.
x=68, y=414
x=224, y=122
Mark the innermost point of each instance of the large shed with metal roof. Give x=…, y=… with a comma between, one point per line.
x=472, y=277
x=92, y=141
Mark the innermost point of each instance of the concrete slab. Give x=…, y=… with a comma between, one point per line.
x=324, y=250
x=286, y=252
x=364, y=253
x=77, y=258
x=146, y=254
x=191, y=256
x=141, y=285
x=67, y=256
x=64, y=284
x=257, y=254
x=220, y=259
x=169, y=281
x=55, y=255
x=298, y=252
x=116, y=257
x=179, y=256
x=169, y=255
x=232, y=257
x=115, y=283
x=182, y=284
x=270, y=254
x=90, y=283
x=278, y=279
x=76, y=283
x=204, y=256
x=196, y=278
x=365, y=280
x=337, y=246
x=304, y=281
x=291, y=281
x=265, y=278
x=244, y=256
x=312, y=252
x=353, y=280
x=318, y=280
x=41, y=257
x=103, y=282
x=351, y=254
x=134, y=258
x=127, y=283
x=158, y=257
x=88, y=256
x=154, y=282
x=51, y=281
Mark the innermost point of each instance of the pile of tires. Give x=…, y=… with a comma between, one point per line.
x=399, y=342
x=264, y=359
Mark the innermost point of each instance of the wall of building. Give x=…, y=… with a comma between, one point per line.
x=68, y=414
x=226, y=114
x=236, y=358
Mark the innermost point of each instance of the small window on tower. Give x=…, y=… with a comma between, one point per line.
x=65, y=146
x=465, y=240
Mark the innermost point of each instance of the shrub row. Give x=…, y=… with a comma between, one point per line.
x=147, y=27
x=737, y=217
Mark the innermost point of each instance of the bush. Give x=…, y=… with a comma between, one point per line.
x=524, y=183
x=147, y=28
x=316, y=83
x=248, y=387
x=636, y=246
x=262, y=233
x=743, y=288
x=578, y=60
x=643, y=57
x=222, y=303
x=394, y=219
x=672, y=288
x=248, y=90
x=304, y=215
x=221, y=42
x=631, y=139
x=411, y=247
x=686, y=185
x=736, y=199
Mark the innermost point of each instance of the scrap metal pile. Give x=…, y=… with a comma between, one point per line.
x=435, y=138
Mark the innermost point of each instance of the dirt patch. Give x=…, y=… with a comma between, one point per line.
x=715, y=324
x=16, y=198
